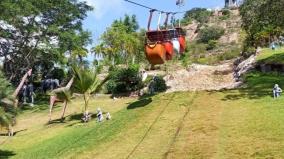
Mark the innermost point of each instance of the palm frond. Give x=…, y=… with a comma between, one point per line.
x=5, y=118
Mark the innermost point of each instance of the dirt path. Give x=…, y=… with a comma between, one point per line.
x=202, y=77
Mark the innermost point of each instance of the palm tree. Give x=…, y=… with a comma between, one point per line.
x=6, y=119
x=86, y=83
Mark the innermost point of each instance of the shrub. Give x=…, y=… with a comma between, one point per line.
x=211, y=33
x=186, y=21
x=248, y=51
x=226, y=12
x=58, y=73
x=124, y=80
x=159, y=84
x=230, y=54
x=197, y=48
x=211, y=44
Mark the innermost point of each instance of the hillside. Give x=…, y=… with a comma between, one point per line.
x=243, y=123
x=225, y=47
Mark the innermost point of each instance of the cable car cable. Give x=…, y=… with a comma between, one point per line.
x=147, y=7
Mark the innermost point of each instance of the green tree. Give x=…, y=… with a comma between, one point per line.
x=120, y=43
x=38, y=33
x=211, y=33
x=263, y=20
x=201, y=15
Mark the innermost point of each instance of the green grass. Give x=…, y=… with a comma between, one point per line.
x=242, y=123
x=269, y=56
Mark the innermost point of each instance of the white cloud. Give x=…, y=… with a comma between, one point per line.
x=103, y=7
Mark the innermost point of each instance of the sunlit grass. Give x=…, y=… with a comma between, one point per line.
x=242, y=123
x=270, y=56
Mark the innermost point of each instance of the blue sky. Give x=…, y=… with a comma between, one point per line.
x=105, y=11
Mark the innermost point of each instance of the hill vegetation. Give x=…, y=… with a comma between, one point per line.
x=218, y=35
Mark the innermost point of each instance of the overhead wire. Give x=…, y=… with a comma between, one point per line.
x=147, y=7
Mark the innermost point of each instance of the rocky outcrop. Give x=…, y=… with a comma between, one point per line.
x=243, y=67
x=202, y=77
x=191, y=31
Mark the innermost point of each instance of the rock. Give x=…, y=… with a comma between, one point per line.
x=245, y=66
x=202, y=77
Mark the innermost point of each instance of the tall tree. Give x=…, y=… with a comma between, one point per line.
x=262, y=19
x=120, y=43
x=38, y=33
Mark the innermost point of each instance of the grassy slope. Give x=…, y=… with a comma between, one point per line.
x=270, y=56
x=244, y=123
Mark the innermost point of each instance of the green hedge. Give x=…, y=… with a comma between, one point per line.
x=124, y=80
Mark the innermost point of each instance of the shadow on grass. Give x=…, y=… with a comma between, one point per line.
x=245, y=93
x=41, y=104
x=56, y=121
x=140, y=103
x=6, y=154
x=78, y=119
x=75, y=117
x=258, y=85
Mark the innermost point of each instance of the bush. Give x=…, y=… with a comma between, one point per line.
x=211, y=44
x=197, y=48
x=159, y=84
x=58, y=73
x=124, y=80
x=230, y=54
x=248, y=51
x=211, y=33
x=226, y=12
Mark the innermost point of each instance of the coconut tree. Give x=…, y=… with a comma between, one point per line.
x=86, y=83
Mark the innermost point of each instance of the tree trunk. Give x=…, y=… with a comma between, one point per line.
x=86, y=99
